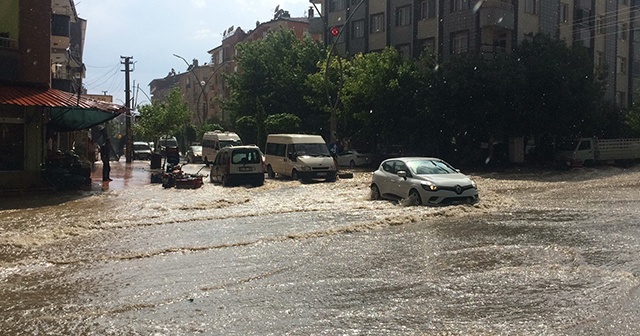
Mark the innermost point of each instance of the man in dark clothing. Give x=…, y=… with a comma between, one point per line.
x=105, y=155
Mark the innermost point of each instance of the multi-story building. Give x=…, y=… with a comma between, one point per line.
x=40, y=79
x=488, y=27
x=204, y=86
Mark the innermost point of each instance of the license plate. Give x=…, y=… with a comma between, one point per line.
x=246, y=168
x=321, y=174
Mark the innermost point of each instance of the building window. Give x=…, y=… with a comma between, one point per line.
x=404, y=50
x=458, y=5
x=403, y=16
x=428, y=44
x=357, y=29
x=460, y=42
x=564, y=13
x=428, y=9
x=12, y=144
x=623, y=31
x=530, y=6
x=377, y=23
x=600, y=25
x=600, y=60
x=336, y=5
x=622, y=66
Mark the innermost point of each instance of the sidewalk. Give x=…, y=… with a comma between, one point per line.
x=124, y=175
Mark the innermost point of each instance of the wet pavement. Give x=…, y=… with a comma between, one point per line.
x=124, y=175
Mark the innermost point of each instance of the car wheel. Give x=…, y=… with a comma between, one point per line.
x=225, y=181
x=375, y=193
x=270, y=172
x=352, y=164
x=414, y=197
x=294, y=175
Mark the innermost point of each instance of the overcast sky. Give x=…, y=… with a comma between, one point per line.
x=151, y=31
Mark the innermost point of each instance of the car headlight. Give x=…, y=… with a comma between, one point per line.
x=305, y=167
x=429, y=186
x=473, y=184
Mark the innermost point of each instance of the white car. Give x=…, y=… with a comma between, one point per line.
x=422, y=180
x=237, y=165
x=354, y=158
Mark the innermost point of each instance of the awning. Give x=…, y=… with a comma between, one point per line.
x=69, y=112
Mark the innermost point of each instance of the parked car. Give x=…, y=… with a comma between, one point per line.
x=141, y=151
x=194, y=154
x=422, y=180
x=238, y=165
x=355, y=158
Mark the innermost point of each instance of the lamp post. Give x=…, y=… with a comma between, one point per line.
x=202, y=84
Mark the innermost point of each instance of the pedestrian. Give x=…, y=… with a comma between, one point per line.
x=105, y=155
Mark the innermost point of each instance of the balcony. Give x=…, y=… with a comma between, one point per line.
x=497, y=13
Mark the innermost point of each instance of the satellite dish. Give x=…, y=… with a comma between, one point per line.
x=276, y=10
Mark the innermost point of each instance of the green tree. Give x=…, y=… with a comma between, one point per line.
x=282, y=123
x=273, y=80
x=163, y=118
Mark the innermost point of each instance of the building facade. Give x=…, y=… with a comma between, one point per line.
x=204, y=87
x=42, y=114
x=446, y=27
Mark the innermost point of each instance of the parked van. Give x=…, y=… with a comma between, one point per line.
x=235, y=165
x=300, y=156
x=212, y=142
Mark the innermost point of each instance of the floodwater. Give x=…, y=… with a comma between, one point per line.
x=543, y=253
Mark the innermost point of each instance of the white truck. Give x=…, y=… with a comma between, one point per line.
x=591, y=151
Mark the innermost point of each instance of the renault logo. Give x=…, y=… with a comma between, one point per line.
x=458, y=190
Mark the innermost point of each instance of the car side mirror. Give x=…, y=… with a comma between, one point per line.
x=402, y=174
x=293, y=157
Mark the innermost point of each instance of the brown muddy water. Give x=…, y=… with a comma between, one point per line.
x=543, y=253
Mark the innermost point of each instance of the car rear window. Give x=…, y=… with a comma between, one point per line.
x=244, y=156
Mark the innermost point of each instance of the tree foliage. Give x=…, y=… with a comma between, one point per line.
x=163, y=118
x=273, y=78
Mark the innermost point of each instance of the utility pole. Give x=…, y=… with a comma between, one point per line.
x=127, y=93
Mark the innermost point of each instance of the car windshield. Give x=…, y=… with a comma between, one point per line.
x=227, y=143
x=196, y=149
x=244, y=156
x=430, y=167
x=141, y=147
x=314, y=149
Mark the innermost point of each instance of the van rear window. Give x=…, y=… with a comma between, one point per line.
x=244, y=156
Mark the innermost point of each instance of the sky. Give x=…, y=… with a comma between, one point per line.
x=151, y=31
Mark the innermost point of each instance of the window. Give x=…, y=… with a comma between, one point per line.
x=600, y=25
x=460, y=42
x=623, y=31
x=377, y=23
x=564, y=13
x=12, y=144
x=428, y=44
x=600, y=60
x=622, y=65
x=403, y=16
x=458, y=5
x=530, y=6
x=428, y=9
x=357, y=29
x=336, y=5
x=404, y=50
x=60, y=25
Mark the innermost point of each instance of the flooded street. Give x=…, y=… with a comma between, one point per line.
x=543, y=253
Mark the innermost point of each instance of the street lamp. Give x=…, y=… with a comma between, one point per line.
x=202, y=85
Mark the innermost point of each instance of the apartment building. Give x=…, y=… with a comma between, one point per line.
x=204, y=87
x=488, y=27
x=41, y=111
